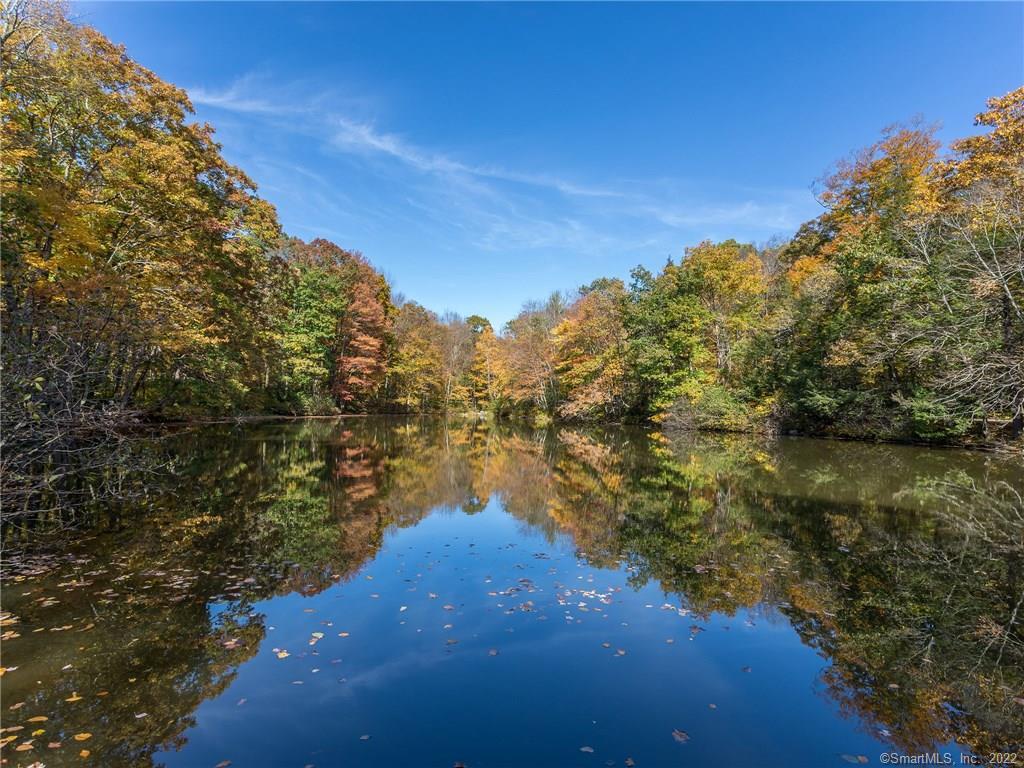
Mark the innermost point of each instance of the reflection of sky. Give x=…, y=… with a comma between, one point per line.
x=485, y=155
x=551, y=689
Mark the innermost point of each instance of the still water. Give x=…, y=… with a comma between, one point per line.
x=383, y=592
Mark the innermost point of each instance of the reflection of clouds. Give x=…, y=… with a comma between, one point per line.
x=385, y=672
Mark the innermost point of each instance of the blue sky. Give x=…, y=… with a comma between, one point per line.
x=483, y=155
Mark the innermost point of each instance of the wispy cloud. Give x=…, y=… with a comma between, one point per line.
x=353, y=135
x=352, y=175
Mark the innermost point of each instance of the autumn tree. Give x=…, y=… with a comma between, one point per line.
x=489, y=372
x=363, y=337
x=590, y=344
x=532, y=354
x=415, y=370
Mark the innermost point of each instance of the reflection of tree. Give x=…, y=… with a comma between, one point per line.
x=906, y=574
x=913, y=591
x=903, y=567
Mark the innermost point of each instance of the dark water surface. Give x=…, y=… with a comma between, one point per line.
x=375, y=592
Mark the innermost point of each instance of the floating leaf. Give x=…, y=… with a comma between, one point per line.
x=586, y=749
x=365, y=737
x=82, y=736
x=73, y=697
x=681, y=736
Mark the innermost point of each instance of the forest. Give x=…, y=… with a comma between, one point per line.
x=144, y=279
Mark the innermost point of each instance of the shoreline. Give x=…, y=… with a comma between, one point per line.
x=989, y=447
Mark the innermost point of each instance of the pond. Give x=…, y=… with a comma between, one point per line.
x=398, y=592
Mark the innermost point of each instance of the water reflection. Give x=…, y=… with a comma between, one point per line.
x=901, y=566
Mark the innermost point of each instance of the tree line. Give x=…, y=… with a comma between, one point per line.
x=143, y=276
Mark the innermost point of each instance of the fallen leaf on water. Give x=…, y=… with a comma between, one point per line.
x=54, y=745
x=23, y=747
x=681, y=736
x=629, y=762
x=84, y=753
x=83, y=736
x=620, y=652
x=38, y=732
x=606, y=645
x=451, y=641
x=241, y=702
x=343, y=634
x=73, y=697
x=365, y=737
x=403, y=608
x=586, y=749
x=37, y=719
x=223, y=764
x=283, y=654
